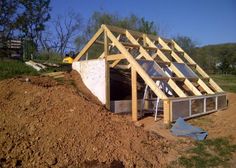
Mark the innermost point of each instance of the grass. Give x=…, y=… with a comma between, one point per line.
x=209, y=153
x=12, y=68
x=227, y=82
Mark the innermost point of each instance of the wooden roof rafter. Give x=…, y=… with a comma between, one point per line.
x=147, y=44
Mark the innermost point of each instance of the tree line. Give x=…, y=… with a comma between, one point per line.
x=31, y=20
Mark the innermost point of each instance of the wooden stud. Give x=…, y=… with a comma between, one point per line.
x=138, y=68
x=108, y=101
x=105, y=45
x=175, y=70
x=115, y=57
x=134, y=95
x=89, y=44
x=167, y=111
x=198, y=68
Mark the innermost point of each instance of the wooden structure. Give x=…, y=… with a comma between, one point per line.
x=188, y=90
x=11, y=48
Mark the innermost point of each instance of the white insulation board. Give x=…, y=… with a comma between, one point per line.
x=93, y=74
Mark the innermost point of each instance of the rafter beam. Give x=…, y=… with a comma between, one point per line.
x=136, y=66
x=89, y=44
x=198, y=68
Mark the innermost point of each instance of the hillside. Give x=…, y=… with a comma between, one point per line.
x=218, y=58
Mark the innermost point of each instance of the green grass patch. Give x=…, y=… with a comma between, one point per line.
x=209, y=153
x=12, y=68
x=227, y=82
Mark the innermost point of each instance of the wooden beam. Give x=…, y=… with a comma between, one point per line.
x=89, y=44
x=134, y=95
x=204, y=86
x=167, y=111
x=105, y=45
x=177, y=90
x=115, y=57
x=136, y=65
x=198, y=68
x=175, y=69
x=108, y=95
x=173, y=54
x=148, y=57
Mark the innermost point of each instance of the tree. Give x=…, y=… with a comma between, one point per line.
x=31, y=22
x=8, y=17
x=131, y=22
x=186, y=43
x=67, y=28
x=147, y=27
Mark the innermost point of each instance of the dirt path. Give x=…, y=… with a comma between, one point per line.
x=44, y=124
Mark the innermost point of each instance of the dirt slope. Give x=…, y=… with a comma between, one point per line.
x=44, y=124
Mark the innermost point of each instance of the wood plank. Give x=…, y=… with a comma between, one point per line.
x=115, y=57
x=198, y=68
x=89, y=44
x=177, y=90
x=175, y=69
x=134, y=95
x=105, y=45
x=204, y=86
x=137, y=67
x=108, y=95
x=173, y=54
x=167, y=111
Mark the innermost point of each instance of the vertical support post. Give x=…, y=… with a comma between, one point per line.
x=134, y=94
x=204, y=105
x=190, y=107
x=105, y=44
x=167, y=111
x=107, y=71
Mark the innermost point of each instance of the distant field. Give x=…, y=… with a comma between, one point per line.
x=12, y=68
x=227, y=82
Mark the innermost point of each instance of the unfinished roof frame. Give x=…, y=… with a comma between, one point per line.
x=109, y=41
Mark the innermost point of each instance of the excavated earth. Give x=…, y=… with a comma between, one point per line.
x=59, y=123
x=46, y=123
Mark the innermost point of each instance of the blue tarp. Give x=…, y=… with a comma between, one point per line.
x=181, y=128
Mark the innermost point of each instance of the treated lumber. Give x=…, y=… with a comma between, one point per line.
x=134, y=95
x=179, y=60
x=146, y=55
x=137, y=67
x=167, y=111
x=89, y=44
x=105, y=45
x=108, y=95
x=115, y=57
x=198, y=68
x=174, y=69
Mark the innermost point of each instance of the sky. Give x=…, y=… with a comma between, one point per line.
x=205, y=21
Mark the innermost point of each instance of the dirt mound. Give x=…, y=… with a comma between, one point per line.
x=51, y=125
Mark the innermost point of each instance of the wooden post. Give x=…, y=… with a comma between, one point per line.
x=167, y=111
x=106, y=52
x=134, y=95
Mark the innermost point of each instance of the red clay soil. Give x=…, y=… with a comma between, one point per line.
x=46, y=124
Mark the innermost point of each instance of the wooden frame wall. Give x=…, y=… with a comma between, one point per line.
x=148, y=43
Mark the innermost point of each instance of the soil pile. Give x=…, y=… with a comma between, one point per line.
x=46, y=124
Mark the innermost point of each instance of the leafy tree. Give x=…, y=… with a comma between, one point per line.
x=147, y=27
x=31, y=22
x=186, y=43
x=8, y=17
x=131, y=22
